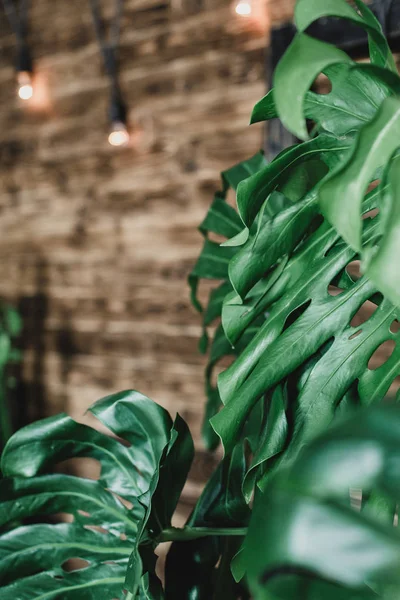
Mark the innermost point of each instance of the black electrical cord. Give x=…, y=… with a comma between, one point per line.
x=17, y=15
x=109, y=45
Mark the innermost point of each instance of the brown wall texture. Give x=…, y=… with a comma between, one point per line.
x=96, y=242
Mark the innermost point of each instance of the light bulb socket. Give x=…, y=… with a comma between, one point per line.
x=117, y=111
x=24, y=63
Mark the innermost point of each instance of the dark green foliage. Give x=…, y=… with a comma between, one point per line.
x=10, y=329
x=149, y=473
x=303, y=503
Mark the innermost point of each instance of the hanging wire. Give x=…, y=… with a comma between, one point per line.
x=17, y=15
x=108, y=44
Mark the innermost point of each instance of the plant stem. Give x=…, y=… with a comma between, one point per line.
x=175, y=534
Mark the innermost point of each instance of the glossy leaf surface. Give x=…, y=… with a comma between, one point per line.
x=155, y=451
x=306, y=516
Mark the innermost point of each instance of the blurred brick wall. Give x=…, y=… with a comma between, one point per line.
x=96, y=242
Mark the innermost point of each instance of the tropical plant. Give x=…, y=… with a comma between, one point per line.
x=304, y=501
x=10, y=329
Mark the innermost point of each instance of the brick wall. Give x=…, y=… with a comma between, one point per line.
x=97, y=242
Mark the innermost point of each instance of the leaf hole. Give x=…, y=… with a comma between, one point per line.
x=216, y=237
x=355, y=334
x=353, y=269
x=371, y=214
x=74, y=564
x=334, y=290
x=83, y=513
x=230, y=198
x=322, y=85
x=395, y=326
x=62, y=517
x=97, y=528
x=126, y=503
x=219, y=367
x=365, y=311
x=373, y=185
x=296, y=314
x=85, y=467
x=381, y=354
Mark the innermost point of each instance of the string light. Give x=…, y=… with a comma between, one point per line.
x=17, y=14
x=117, y=114
x=244, y=8
x=25, y=85
x=119, y=134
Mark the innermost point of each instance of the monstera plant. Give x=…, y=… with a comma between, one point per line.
x=10, y=328
x=303, y=504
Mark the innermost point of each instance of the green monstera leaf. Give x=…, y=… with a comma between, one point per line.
x=364, y=99
x=320, y=533
x=303, y=322
x=116, y=517
x=287, y=262
x=10, y=329
x=222, y=220
x=303, y=502
x=306, y=311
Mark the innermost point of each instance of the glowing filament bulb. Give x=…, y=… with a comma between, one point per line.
x=243, y=8
x=119, y=135
x=25, y=87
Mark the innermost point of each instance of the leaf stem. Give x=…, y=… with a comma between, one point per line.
x=176, y=534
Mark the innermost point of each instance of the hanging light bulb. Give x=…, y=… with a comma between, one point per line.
x=244, y=8
x=17, y=14
x=119, y=134
x=25, y=87
x=24, y=72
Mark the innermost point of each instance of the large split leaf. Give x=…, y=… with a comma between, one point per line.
x=308, y=11
x=357, y=92
x=29, y=549
x=220, y=348
x=364, y=99
x=223, y=220
x=380, y=266
x=255, y=192
x=303, y=61
x=341, y=194
x=306, y=516
x=307, y=363
x=278, y=348
x=86, y=584
x=106, y=530
x=272, y=438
